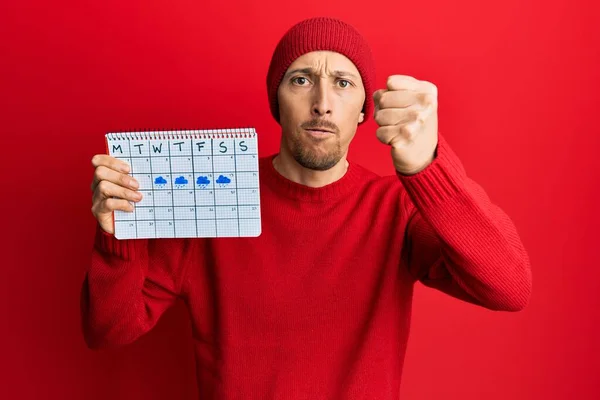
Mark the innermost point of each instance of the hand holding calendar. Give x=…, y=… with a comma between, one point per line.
x=178, y=184
x=110, y=181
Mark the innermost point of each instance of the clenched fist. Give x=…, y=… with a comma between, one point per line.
x=113, y=189
x=406, y=113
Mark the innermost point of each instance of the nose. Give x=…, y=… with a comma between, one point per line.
x=321, y=100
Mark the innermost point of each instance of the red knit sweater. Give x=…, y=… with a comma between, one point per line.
x=318, y=306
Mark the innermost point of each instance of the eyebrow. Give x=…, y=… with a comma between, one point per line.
x=311, y=71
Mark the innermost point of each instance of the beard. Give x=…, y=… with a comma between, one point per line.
x=318, y=155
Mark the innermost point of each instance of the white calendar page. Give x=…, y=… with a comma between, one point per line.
x=200, y=183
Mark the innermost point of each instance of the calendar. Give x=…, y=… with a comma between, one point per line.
x=194, y=183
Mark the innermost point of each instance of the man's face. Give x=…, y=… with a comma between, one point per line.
x=321, y=90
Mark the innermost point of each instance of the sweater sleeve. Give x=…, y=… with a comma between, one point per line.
x=128, y=286
x=459, y=242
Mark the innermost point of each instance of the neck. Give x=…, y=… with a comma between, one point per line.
x=288, y=167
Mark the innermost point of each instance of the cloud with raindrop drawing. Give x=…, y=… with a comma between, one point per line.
x=202, y=181
x=181, y=182
x=223, y=181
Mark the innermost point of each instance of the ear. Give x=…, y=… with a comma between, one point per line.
x=361, y=117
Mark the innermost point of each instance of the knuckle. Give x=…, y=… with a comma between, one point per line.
x=110, y=204
x=123, y=180
x=382, y=101
x=430, y=99
x=405, y=131
x=383, y=134
x=377, y=116
x=96, y=209
x=434, y=89
x=103, y=187
x=99, y=172
x=126, y=194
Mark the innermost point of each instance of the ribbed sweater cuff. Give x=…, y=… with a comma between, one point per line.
x=107, y=243
x=441, y=180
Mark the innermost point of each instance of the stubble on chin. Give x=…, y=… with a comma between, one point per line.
x=314, y=155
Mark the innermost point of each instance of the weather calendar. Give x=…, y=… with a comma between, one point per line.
x=194, y=183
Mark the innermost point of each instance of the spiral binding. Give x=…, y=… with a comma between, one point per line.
x=230, y=133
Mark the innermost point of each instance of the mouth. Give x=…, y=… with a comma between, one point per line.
x=319, y=131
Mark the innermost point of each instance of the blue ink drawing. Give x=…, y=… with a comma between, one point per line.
x=223, y=180
x=180, y=181
x=202, y=181
x=160, y=181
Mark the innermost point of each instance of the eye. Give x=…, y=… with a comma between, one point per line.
x=345, y=83
x=300, y=80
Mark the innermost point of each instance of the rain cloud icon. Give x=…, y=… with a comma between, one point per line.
x=160, y=181
x=181, y=181
x=223, y=180
x=202, y=181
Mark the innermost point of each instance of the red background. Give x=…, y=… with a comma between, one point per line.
x=518, y=95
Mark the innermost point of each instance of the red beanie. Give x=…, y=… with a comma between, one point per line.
x=321, y=33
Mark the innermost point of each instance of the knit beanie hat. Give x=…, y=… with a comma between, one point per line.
x=321, y=33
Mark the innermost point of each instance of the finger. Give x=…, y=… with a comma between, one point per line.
x=396, y=136
x=396, y=116
x=402, y=82
x=106, y=189
x=109, y=205
x=110, y=162
x=405, y=82
x=103, y=173
x=403, y=98
x=377, y=96
x=389, y=135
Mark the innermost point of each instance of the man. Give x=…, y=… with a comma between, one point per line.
x=318, y=306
